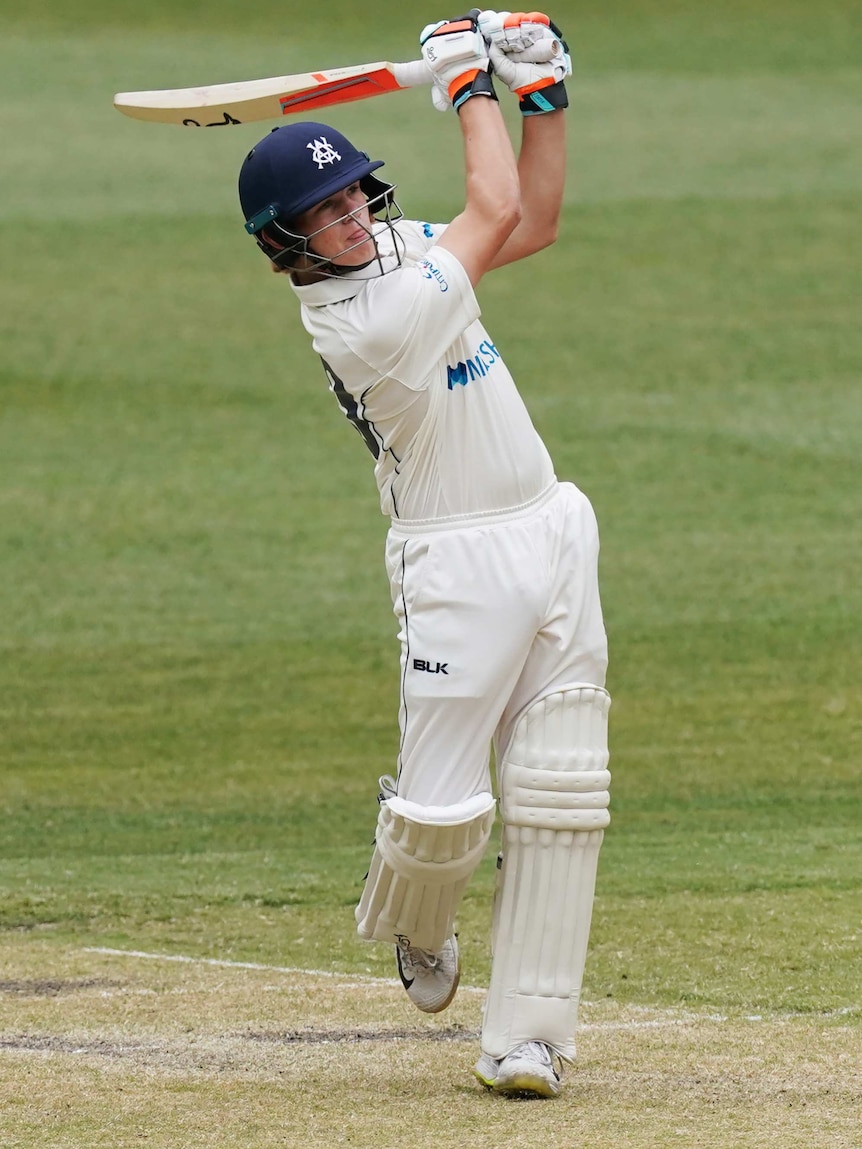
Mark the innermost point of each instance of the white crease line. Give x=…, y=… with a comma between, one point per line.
x=347, y=981
x=360, y=981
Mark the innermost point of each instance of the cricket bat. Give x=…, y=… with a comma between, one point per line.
x=223, y=104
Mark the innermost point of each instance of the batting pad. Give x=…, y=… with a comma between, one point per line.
x=554, y=797
x=422, y=861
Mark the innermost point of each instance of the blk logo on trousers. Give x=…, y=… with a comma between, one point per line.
x=430, y=667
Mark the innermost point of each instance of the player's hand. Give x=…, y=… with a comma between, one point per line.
x=457, y=56
x=530, y=56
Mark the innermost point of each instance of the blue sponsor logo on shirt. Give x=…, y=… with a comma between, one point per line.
x=427, y=231
x=432, y=271
x=476, y=367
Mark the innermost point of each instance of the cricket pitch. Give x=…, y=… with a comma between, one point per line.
x=123, y=1048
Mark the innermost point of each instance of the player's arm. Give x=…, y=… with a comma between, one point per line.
x=456, y=53
x=542, y=178
x=528, y=54
x=492, y=211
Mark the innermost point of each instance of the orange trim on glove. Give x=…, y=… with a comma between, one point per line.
x=462, y=81
x=516, y=18
x=545, y=82
x=453, y=26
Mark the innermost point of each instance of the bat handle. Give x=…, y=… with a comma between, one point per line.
x=413, y=74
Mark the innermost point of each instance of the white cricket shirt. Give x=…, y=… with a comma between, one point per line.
x=422, y=381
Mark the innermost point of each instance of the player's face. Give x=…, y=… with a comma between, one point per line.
x=339, y=227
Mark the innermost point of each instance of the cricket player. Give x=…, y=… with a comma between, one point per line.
x=492, y=561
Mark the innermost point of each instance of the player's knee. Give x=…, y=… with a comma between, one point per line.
x=555, y=772
x=437, y=844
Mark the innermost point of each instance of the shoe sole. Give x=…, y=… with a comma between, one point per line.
x=443, y=1004
x=488, y=1082
x=524, y=1084
x=520, y=1085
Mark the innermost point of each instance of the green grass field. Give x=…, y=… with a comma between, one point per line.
x=198, y=664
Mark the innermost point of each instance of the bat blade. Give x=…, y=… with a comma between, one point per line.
x=220, y=105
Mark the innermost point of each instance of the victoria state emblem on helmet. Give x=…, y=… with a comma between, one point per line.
x=322, y=152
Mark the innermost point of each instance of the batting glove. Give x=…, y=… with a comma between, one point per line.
x=530, y=56
x=513, y=31
x=457, y=56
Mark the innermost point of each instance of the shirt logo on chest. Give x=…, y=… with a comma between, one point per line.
x=476, y=367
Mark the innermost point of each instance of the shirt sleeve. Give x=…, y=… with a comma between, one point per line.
x=431, y=233
x=411, y=317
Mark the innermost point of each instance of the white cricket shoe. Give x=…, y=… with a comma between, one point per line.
x=528, y=1071
x=430, y=979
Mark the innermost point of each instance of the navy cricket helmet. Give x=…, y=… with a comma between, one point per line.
x=292, y=169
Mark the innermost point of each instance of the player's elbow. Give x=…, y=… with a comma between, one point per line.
x=494, y=204
x=512, y=205
x=506, y=214
x=546, y=234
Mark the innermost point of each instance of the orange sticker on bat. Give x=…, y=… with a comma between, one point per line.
x=341, y=91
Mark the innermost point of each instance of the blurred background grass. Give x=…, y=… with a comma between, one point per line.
x=197, y=657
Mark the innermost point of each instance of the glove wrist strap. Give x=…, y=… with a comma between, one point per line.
x=476, y=83
x=546, y=99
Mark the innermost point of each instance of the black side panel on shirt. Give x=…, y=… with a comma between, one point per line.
x=351, y=409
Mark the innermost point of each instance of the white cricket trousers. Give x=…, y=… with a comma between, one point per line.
x=494, y=613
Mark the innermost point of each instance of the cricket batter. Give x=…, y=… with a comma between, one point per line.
x=492, y=561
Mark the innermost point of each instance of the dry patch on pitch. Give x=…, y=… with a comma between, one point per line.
x=100, y=1049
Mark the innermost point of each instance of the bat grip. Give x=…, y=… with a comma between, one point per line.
x=413, y=74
